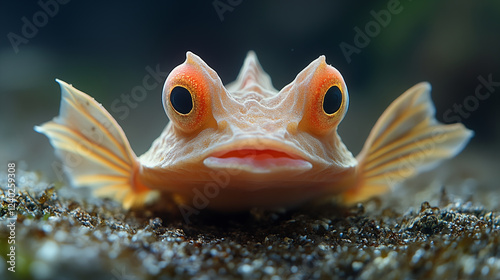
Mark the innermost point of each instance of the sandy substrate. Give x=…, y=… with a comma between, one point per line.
x=439, y=231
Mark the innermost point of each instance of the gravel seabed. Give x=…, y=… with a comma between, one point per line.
x=439, y=231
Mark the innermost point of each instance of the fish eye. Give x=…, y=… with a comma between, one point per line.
x=332, y=100
x=326, y=100
x=181, y=100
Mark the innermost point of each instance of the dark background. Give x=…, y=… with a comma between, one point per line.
x=103, y=48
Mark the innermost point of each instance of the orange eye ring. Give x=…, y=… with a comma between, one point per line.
x=187, y=100
x=327, y=101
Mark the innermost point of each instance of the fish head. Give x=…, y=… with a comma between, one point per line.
x=251, y=129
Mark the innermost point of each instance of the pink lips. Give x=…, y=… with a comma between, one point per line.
x=257, y=161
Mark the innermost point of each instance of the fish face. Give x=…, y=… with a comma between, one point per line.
x=251, y=129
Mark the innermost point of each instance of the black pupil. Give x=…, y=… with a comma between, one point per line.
x=332, y=100
x=181, y=100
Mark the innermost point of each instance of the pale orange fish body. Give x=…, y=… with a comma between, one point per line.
x=247, y=144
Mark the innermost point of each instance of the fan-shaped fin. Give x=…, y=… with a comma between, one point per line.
x=405, y=140
x=94, y=149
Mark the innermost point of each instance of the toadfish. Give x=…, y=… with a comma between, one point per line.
x=246, y=144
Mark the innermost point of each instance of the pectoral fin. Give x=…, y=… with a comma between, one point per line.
x=94, y=149
x=405, y=140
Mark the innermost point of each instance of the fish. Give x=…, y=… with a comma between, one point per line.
x=245, y=144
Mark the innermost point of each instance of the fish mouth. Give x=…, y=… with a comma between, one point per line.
x=257, y=161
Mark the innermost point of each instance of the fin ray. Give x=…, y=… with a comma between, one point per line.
x=405, y=140
x=66, y=141
x=417, y=145
x=84, y=112
x=413, y=115
x=95, y=150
